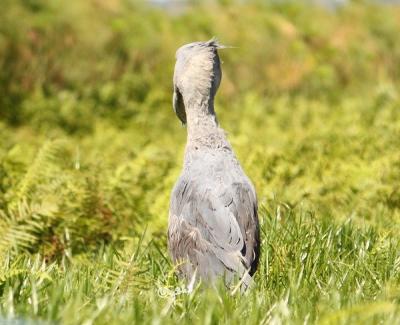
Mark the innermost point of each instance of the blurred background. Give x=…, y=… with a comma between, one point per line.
x=90, y=146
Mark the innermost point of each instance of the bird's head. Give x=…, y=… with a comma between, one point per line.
x=197, y=75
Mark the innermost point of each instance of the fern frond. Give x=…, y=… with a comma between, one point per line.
x=51, y=154
x=22, y=229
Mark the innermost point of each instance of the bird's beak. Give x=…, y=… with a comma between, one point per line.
x=179, y=106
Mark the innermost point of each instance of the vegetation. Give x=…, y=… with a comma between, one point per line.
x=90, y=149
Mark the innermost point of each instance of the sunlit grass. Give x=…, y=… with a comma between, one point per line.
x=311, y=271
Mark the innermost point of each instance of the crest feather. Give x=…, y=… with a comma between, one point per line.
x=216, y=44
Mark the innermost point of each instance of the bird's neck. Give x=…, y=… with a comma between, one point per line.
x=200, y=117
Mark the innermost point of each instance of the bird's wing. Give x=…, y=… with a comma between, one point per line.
x=215, y=227
x=242, y=202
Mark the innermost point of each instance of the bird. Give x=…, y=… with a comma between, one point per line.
x=213, y=226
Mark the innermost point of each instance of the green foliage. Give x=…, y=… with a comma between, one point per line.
x=311, y=270
x=90, y=149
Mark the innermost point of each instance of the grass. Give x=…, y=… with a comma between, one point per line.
x=311, y=271
x=90, y=149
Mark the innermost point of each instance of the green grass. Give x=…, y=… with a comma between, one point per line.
x=310, y=271
x=90, y=149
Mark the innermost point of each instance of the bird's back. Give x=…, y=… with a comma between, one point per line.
x=213, y=226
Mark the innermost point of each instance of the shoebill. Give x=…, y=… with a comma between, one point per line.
x=213, y=226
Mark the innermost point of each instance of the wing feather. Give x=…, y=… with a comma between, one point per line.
x=214, y=229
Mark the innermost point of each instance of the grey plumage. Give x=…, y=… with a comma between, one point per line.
x=213, y=226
